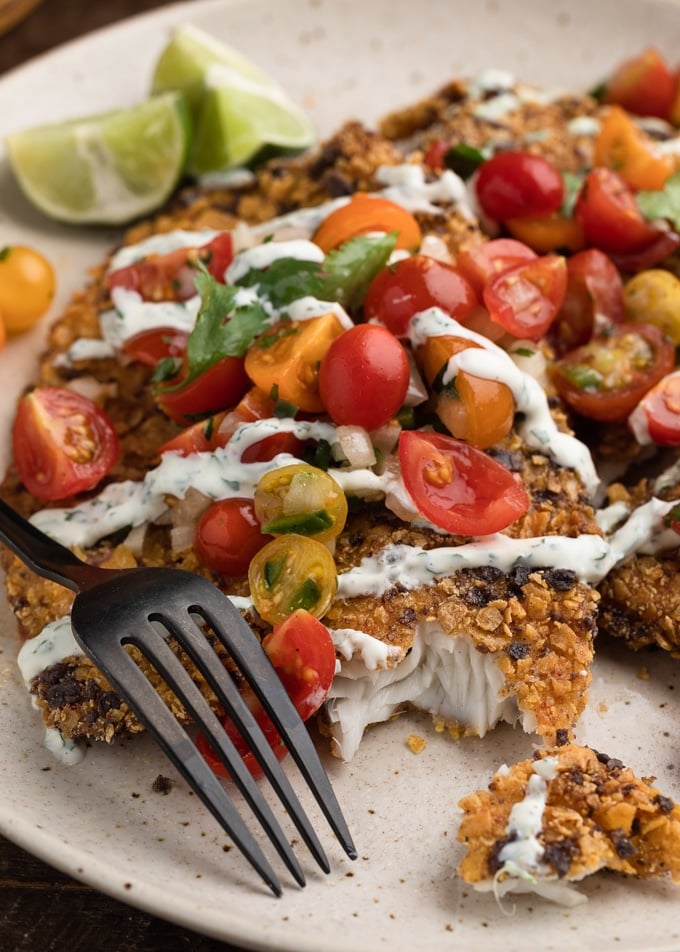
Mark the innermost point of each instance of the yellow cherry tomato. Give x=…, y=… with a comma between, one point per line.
x=26, y=287
x=653, y=297
x=289, y=573
x=303, y=499
x=287, y=357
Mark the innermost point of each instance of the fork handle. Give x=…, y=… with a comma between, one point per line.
x=42, y=554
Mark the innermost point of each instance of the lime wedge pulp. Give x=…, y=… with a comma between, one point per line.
x=238, y=110
x=106, y=169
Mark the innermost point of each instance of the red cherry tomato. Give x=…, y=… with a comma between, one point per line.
x=526, y=298
x=217, y=388
x=606, y=378
x=594, y=288
x=228, y=535
x=170, y=277
x=481, y=264
x=197, y=438
x=156, y=344
x=659, y=411
x=436, y=153
x=609, y=216
x=644, y=85
x=302, y=652
x=662, y=244
x=364, y=377
x=63, y=443
x=457, y=487
x=518, y=185
x=414, y=284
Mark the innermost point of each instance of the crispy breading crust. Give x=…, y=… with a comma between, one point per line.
x=598, y=814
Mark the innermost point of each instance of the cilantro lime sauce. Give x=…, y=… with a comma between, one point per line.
x=522, y=856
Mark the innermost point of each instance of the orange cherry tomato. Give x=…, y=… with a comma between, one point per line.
x=554, y=232
x=364, y=214
x=472, y=408
x=644, y=85
x=286, y=358
x=27, y=285
x=621, y=145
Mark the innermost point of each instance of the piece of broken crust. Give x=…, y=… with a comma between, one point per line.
x=546, y=823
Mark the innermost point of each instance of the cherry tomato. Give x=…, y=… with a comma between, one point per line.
x=644, y=85
x=473, y=409
x=303, y=655
x=554, y=232
x=300, y=498
x=621, y=145
x=364, y=214
x=217, y=388
x=292, y=572
x=302, y=651
x=594, y=289
x=363, y=379
x=63, y=443
x=609, y=216
x=653, y=297
x=606, y=378
x=662, y=244
x=481, y=264
x=414, y=284
x=27, y=285
x=659, y=412
x=256, y=405
x=457, y=487
x=518, y=185
x=435, y=153
x=287, y=357
x=170, y=277
x=197, y=438
x=526, y=298
x=228, y=535
x=156, y=344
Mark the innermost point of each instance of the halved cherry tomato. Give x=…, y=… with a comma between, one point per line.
x=290, y=572
x=643, y=85
x=414, y=284
x=609, y=215
x=606, y=378
x=457, y=487
x=197, y=438
x=228, y=535
x=662, y=244
x=302, y=652
x=217, y=388
x=364, y=376
x=170, y=277
x=659, y=412
x=518, y=185
x=472, y=408
x=300, y=498
x=526, y=298
x=287, y=357
x=621, y=145
x=27, y=284
x=594, y=289
x=364, y=214
x=484, y=262
x=554, y=232
x=156, y=344
x=63, y=443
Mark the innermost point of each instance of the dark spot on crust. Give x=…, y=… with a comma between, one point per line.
x=561, y=580
x=562, y=738
x=665, y=804
x=517, y=650
x=612, y=763
x=559, y=855
x=477, y=597
x=494, y=863
x=514, y=461
x=623, y=846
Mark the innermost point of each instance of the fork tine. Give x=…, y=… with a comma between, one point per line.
x=239, y=639
x=194, y=642
x=125, y=675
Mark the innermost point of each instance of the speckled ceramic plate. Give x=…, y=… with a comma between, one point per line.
x=100, y=821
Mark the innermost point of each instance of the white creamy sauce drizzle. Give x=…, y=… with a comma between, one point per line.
x=538, y=428
x=522, y=856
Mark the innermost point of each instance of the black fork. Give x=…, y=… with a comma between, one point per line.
x=141, y=607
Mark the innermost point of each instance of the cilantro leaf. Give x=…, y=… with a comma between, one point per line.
x=572, y=186
x=223, y=328
x=284, y=281
x=664, y=203
x=349, y=269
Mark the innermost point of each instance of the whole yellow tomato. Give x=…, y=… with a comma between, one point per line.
x=27, y=284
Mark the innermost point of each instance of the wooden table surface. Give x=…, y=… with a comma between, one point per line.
x=42, y=910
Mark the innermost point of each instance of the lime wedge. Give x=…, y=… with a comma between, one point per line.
x=238, y=110
x=104, y=169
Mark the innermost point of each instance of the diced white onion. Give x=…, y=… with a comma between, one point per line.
x=435, y=247
x=417, y=391
x=356, y=446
